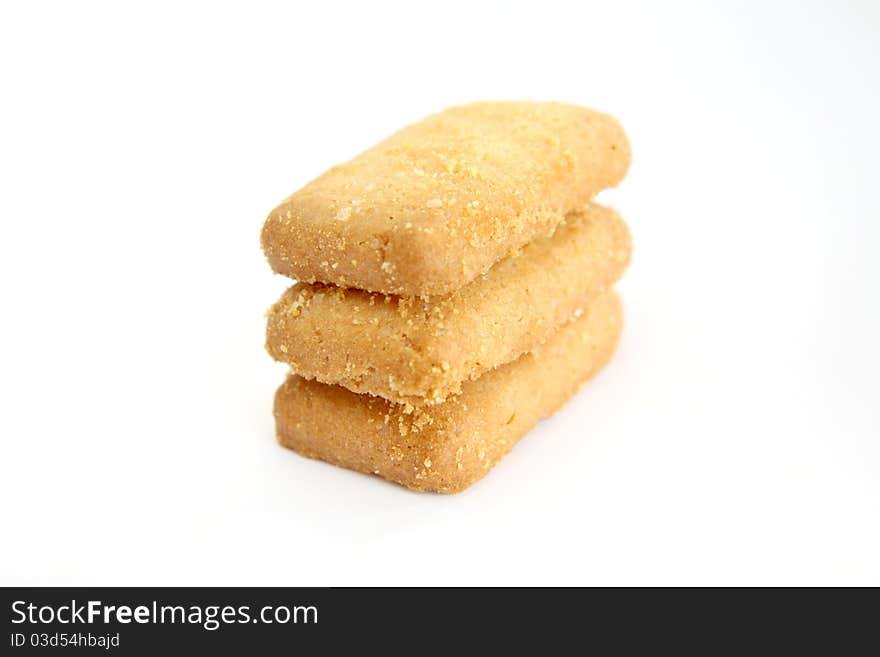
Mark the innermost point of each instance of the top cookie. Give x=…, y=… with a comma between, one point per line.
x=438, y=203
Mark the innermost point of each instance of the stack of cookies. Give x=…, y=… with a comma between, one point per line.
x=453, y=288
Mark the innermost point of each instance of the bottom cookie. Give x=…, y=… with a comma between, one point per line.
x=446, y=448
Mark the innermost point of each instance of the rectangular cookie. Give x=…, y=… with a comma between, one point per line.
x=438, y=203
x=418, y=351
x=446, y=448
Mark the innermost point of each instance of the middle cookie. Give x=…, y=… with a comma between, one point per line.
x=417, y=351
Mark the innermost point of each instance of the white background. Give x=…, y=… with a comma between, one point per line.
x=735, y=439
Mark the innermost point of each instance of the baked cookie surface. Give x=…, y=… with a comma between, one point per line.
x=438, y=203
x=446, y=448
x=415, y=351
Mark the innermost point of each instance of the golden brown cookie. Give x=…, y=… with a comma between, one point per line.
x=414, y=351
x=446, y=448
x=438, y=203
